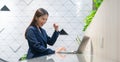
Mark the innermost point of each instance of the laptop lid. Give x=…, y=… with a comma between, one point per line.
x=83, y=44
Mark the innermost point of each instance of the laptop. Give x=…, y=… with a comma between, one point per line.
x=81, y=47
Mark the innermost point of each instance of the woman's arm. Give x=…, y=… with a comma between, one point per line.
x=52, y=40
x=54, y=37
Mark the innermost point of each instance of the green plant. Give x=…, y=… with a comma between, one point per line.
x=23, y=57
x=97, y=3
x=78, y=39
x=89, y=18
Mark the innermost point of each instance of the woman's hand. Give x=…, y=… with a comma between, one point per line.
x=60, y=49
x=55, y=26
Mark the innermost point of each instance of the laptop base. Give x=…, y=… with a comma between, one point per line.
x=74, y=52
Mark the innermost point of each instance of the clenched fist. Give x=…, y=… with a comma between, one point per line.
x=55, y=26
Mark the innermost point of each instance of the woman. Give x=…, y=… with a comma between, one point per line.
x=37, y=37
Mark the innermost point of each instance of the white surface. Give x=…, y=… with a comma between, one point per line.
x=106, y=24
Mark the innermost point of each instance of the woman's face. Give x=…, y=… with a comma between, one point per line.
x=42, y=20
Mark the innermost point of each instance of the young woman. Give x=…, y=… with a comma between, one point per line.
x=37, y=37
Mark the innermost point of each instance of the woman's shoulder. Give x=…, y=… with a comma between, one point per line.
x=31, y=28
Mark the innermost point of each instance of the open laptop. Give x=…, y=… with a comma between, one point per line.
x=81, y=47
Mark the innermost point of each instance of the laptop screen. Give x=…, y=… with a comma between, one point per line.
x=83, y=44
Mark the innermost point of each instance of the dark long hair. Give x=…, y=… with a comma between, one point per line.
x=39, y=12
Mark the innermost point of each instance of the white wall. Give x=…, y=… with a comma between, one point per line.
x=119, y=32
x=104, y=30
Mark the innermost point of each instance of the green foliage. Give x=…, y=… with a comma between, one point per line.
x=97, y=3
x=23, y=57
x=89, y=18
x=78, y=39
